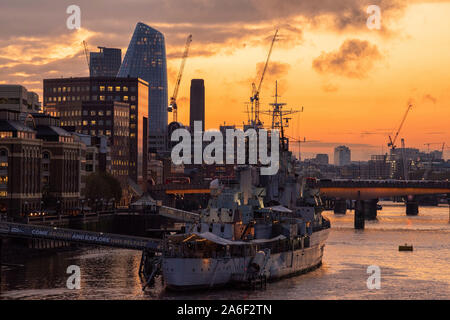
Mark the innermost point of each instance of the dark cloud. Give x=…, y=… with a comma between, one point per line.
x=354, y=59
x=275, y=70
x=31, y=17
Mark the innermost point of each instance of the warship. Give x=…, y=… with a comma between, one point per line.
x=238, y=240
x=256, y=228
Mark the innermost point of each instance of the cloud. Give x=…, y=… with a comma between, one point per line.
x=275, y=70
x=326, y=144
x=354, y=59
x=329, y=87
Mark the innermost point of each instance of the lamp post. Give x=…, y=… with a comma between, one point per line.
x=114, y=205
x=58, y=209
x=26, y=210
x=82, y=207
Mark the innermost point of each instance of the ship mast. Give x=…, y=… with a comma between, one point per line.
x=279, y=117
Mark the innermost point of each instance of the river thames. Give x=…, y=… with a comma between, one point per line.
x=421, y=274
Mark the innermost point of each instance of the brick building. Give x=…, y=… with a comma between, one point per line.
x=39, y=165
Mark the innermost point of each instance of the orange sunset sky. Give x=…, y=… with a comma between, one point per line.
x=354, y=83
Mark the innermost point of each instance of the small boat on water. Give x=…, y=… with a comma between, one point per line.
x=405, y=247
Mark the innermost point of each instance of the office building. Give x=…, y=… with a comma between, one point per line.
x=342, y=156
x=105, y=63
x=146, y=59
x=18, y=98
x=97, y=106
x=197, y=102
x=322, y=159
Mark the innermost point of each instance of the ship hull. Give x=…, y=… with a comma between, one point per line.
x=196, y=273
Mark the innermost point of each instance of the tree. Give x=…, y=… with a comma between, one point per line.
x=102, y=185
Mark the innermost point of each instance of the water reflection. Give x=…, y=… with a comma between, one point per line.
x=422, y=274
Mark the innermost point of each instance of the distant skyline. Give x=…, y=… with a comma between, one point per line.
x=354, y=83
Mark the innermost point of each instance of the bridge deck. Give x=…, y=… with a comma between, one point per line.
x=374, y=189
x=18, y=230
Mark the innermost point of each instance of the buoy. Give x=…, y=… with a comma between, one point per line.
x=405, y=247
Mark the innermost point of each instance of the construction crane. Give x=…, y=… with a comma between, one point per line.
x=173, y=100
x=254, y=99
x=86, y=53
x=433, y=143
x=391, y=143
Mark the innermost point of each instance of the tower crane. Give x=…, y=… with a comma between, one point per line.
x=433, y=143
x=173, y=100
x=86, y=53
x=392, y=141
x=254, y=99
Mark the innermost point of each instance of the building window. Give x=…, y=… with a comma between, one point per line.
x=102, y=88
x=93, y=113
x=110, y=89
x=118, y=88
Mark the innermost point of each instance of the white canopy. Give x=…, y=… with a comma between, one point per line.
x=219, y=240
x=280, y=209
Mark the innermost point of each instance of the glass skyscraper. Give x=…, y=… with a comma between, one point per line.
x=146, y=59
x=105, y=63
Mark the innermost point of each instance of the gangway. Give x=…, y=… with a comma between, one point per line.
x=178, y=214
x=28, y=231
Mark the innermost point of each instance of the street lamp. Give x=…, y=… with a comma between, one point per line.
x=58, y=209
x=26, y=209
x=82, y=207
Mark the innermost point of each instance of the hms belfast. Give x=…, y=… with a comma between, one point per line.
x=255, y=229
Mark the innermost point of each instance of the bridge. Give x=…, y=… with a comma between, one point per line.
x=367, y=192
x=180, y=189
x=375, y=189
